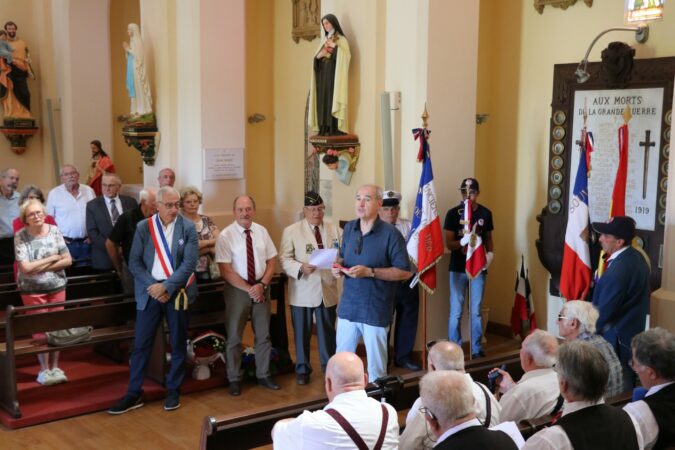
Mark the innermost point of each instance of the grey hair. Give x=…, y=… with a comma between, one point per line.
x=145, y=193
x=63, y=167
x=447, y=394
x=113, y=175
x=584, y=369
x=655, y=348
x=190, y=190
x=584, y=312
x=447, y=355
x=29, y=190
x=165, y=190
x=542, y=347
x=5, y=172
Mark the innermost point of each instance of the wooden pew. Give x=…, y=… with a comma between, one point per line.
x=77, y=279
x=530, y=427
x=254, y=428
x=111, y=316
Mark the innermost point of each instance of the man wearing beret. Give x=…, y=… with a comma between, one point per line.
x=407, y=298
x=313, y=292
x=621, y=294
x=456, y=242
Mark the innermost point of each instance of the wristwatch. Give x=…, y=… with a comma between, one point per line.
x=265, y=287
x=372, y=272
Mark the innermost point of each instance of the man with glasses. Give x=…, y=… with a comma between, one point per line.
x=621, y=294
x=162, y=261
x=102, y=214
x=456, y=242
x=446, y=355
x=372, y=258
x=586, y=422
x=451, y=415
x=313, y=292
x=654, y=362
x=407, y=300
x=577, y=320
x=67, y=204
x=9, y=210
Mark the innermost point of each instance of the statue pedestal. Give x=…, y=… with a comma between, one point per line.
x=144, y=137
x=17, y=132
x=341, y=153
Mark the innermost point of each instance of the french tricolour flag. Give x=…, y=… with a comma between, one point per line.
x=575, y=277
x=425, y=244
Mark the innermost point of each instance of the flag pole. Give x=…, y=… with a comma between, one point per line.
x=425, y=117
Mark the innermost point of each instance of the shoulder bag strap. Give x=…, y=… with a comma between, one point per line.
x=354, y=435
x=488, y=405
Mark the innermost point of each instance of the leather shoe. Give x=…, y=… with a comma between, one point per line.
x=480, y=354
x=409, y=365
x=268, y=383
x=303, y=378
x=235, y=389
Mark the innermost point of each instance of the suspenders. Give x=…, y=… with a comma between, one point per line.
x=358, y=440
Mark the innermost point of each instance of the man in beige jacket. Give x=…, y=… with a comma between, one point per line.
x=312, y=291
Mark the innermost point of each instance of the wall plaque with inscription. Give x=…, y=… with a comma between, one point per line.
x=223, y=163
x=648, y=92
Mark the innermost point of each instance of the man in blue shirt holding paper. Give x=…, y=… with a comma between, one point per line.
x=372, y=258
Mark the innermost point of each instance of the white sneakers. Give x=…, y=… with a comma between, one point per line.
x=50, y=377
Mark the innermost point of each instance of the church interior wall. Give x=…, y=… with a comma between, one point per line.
x=517, y=54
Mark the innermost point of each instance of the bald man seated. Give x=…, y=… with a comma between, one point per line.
x=447, y=355
x=350, y=417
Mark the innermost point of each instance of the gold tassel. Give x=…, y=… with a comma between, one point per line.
x=181, y=298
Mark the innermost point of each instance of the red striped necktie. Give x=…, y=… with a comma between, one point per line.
x=250, y=259
x=317, y=235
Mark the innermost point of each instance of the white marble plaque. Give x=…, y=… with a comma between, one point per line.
x=223, y=163
x=605, y=116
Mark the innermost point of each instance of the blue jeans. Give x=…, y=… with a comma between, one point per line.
x=80, y=251
x=374, y=339
x=458, y=284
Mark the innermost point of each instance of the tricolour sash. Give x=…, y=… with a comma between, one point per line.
x=166, y=259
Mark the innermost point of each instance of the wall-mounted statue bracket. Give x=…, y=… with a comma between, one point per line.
x=17, y=132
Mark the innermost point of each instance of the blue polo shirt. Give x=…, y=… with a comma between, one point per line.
x=370, y=300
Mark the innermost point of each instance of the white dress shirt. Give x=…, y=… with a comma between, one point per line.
x=457, y=429
x=645, y=422
x=415, y=434
x=403, y=226
x=533, y=396
x=231, y=248
x=70, y=212
x=319, y=431
x=555, y=438
x=157, y=271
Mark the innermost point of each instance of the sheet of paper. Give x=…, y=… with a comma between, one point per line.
x=323, y=258
x=511, y=429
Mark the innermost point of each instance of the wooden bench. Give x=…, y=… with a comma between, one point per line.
x=111, y=317
x=76, y=279
x=254, y=428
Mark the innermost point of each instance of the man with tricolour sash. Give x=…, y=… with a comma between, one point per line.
x=162, y=261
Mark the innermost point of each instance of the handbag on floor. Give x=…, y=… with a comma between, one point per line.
x=69, y=336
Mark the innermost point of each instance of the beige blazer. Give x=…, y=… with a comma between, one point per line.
x=297, y=243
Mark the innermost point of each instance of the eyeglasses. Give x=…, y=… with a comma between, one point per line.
x=35, y=214
x=561, y=317
x=427, y=412
x=634, y=365
x=170, y=205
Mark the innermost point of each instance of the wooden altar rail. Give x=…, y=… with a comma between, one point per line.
x=253, y=429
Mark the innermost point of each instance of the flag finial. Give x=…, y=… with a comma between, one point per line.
x=627, y=115
x=425, y=116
